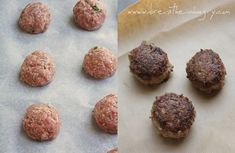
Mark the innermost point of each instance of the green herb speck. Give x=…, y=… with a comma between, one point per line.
x=96, y=8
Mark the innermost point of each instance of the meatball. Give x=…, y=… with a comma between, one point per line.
x=35, y=18
x=89, y=14
x=41, y=122
x=100, y=63
x=149, y=64
x=173, y=115
x=38, y=69
x=113, y=151
x=206, y=71
x=106, y=114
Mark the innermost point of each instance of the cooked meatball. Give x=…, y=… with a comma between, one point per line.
x=150, y=64
x=38, y=69
x=41, y=122
x=35, y=18
x=206, y=71
x=173, y=115
x=89, y=14
x=100, y=63
x=106, y=114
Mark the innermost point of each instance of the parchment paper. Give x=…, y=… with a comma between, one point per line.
x=73, y=93
x=136, y=27
x=213, y=129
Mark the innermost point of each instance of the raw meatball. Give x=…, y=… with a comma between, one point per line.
x=100, y=63
x=89, y=14
x=113, y=151
x=206, y=71
x=38, y=69
x=35, y=18
x=106, y=114
x=173, y=115
x=41, y=122
x=149, y=64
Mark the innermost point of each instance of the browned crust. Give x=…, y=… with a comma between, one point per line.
x=206, y=70
x=41, y=122
x=174, y=114
x=157, y=79
x=148, y=61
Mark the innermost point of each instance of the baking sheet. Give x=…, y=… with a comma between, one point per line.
x=213, y=129
x=73, y=93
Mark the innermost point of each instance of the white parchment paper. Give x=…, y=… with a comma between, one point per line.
x=213, y=129
x=73, y=93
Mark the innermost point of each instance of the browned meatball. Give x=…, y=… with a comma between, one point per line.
x=38, y=69
x=100, y=63
x=89, y=14
x=41, y=122
x=106, y=114
x=206, y=71
x=173, y=115
x=150, y=64
x=35, y=18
